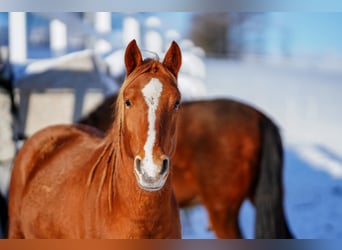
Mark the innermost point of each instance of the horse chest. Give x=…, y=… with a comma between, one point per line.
x=128, y=228
x=139, y=223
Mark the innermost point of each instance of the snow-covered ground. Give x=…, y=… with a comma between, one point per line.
x=305, y=102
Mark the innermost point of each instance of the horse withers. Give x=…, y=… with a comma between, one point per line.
x=70, y=181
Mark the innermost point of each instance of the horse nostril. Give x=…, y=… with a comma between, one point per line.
x=137, y=164
x=165, y=166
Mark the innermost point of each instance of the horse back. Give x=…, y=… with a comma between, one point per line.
x=219, y=125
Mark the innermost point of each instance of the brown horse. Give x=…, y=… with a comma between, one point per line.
x=226, y=152
x=69, y=182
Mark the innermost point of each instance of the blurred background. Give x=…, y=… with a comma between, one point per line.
x=287, y=64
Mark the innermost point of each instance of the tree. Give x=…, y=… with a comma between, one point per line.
x=209, y=31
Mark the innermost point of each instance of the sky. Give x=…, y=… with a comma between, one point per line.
x=308, y=32
x=3, y=19
x=302, y=32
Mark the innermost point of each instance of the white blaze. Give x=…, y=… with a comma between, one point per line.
x=151, y=93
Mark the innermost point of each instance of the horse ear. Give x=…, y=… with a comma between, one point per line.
x=173, y=59
x=133, y=57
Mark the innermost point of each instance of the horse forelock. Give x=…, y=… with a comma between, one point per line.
x=148, y=66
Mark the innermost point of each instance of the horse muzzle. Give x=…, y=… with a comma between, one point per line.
x=151, y=176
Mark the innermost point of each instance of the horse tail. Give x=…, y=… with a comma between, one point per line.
x=3, y=216
x=270, y=219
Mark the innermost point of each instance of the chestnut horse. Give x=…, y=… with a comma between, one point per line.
x=226, y=152
x=69, y=182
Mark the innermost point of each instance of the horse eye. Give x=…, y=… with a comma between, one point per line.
x=128, y=103
x=176, y=105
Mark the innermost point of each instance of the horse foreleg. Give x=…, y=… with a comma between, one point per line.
x=14, y=232
x=224, y=222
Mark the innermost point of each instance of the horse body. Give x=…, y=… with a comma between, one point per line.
x=235, y=148
x=70, y=181
x=226, y=152
x=222, y=171
x=230, y=152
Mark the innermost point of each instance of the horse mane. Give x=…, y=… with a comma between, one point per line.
x=112, y=149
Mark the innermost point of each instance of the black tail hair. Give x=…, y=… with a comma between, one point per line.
x=270, y=220
x=3, y=216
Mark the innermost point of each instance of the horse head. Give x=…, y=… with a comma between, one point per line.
x=149, y=100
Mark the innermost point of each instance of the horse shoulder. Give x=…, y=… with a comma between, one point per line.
x=43, y=163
